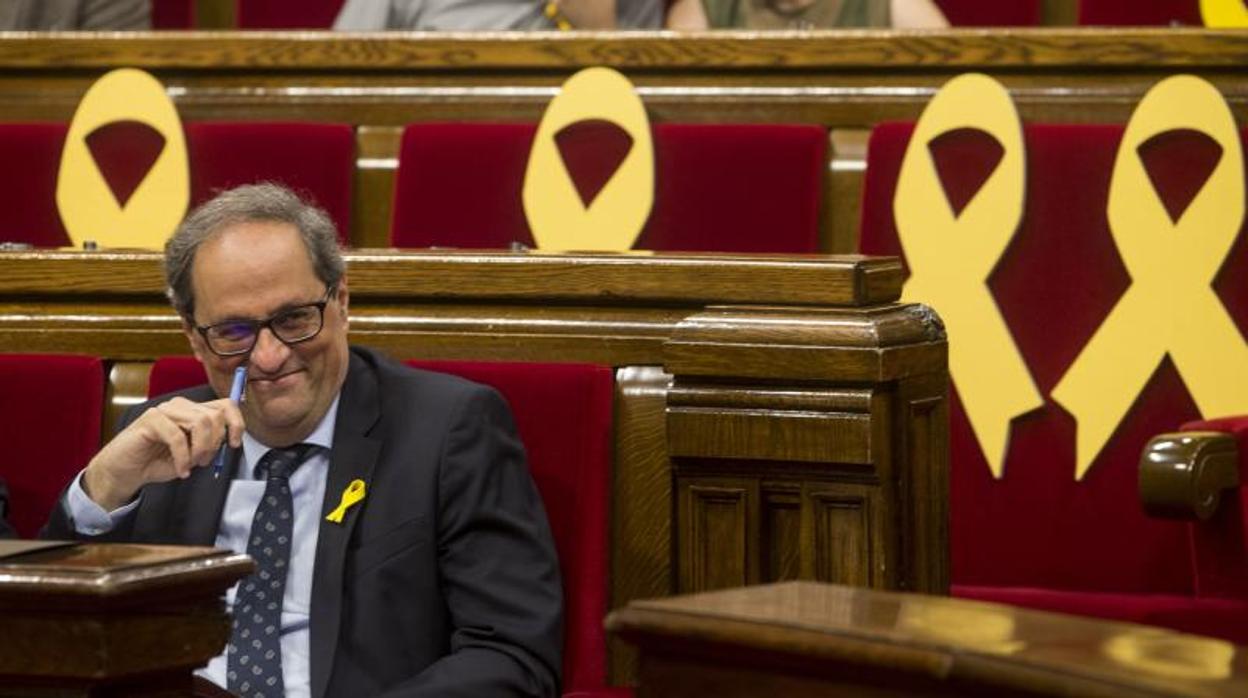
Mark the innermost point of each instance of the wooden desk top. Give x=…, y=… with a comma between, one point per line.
x=819, y=629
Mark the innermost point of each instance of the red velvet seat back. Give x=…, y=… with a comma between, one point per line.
x=287, y=14
x=50, y=406
x=1137, y=13
x=719, y=188
x=991, y=13
x=318, y=160
x=563, y=413
x=28, y=192
x=1055, y=284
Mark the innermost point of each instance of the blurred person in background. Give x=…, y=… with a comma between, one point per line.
x=499, y=15
x=71, y=15
x=804, y=14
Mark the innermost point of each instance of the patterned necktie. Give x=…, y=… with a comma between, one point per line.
x=255, y=651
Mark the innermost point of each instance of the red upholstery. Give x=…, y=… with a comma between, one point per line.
x=1135, y=13
x=1037, y=528
x=28, y=191
x=991, y=13
x=287, y=14
x=317, y=160
x=563, y=413
x=50, y=406
x=731, y=188
x=173, y=14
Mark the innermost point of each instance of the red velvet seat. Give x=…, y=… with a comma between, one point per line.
x=1037, y=537
x=315, y=159
x=1136, y=13
x=564, y=414
x=50, y=406
x=991, y=13
x=287, y=14
x=719, y=188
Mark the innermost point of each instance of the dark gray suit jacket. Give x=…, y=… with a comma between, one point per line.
x=444, y=580
x=6, y=531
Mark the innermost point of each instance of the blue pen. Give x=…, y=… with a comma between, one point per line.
x=236, y=394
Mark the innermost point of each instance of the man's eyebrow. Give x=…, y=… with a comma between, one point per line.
x=287, y=306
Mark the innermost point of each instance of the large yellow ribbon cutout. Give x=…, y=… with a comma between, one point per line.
x=1171, y=306
x=950, y=256
x=86, y=203
x=1224, y=14
x=616, y=216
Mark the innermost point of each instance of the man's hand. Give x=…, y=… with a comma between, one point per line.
x=165, y=442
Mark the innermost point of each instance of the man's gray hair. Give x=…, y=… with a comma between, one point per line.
x=264, y=202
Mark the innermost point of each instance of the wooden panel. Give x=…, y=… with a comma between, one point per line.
x=377, y=163
x=715, y=521
x=642, y=500
x=843, y=544
x=783, y=539
x=127, y=387
x=846, y=167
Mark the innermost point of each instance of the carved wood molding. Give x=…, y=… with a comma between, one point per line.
x=964, y=48
x=1183, y=475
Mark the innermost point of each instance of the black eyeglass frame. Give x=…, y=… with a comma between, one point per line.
x=258, y=325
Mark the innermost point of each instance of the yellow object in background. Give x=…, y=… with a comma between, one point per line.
x=87, y=205
x=951, y=255
x=1224, y=14
x=1171, y=307
x=615, y=218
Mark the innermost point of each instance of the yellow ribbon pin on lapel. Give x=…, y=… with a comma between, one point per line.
x=354, y=494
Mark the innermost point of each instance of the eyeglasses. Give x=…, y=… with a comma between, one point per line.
x=291, y=326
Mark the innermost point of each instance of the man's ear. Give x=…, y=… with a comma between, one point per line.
x=196, y=341
x=343, y=297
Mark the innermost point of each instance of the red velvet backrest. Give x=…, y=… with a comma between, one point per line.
x=991, y=13
x=1138, y=13
x=317, y=160
x=287, y=14
x=718, y=188
x=28, y=187
x=50, y=406
x=1055, y=284
x=173, y=14
x=563, y=413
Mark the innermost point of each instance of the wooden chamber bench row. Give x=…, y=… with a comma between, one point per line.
x=775, y=417
x=845, y=82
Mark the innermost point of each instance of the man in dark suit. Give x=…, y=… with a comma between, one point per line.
x=401, y=544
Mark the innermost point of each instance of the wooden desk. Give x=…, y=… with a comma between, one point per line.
x=806, y=639
x=113, y=620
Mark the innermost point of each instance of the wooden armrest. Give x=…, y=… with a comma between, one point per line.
x=1182, y=474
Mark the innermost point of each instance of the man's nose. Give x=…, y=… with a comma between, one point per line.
x=269, y=353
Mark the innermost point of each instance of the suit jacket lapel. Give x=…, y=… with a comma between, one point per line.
x=353, y=457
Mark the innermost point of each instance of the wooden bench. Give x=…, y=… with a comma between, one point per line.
x=776, y=417
x=844, y=81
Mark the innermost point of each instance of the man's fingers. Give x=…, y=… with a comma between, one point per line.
x=176, y=442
